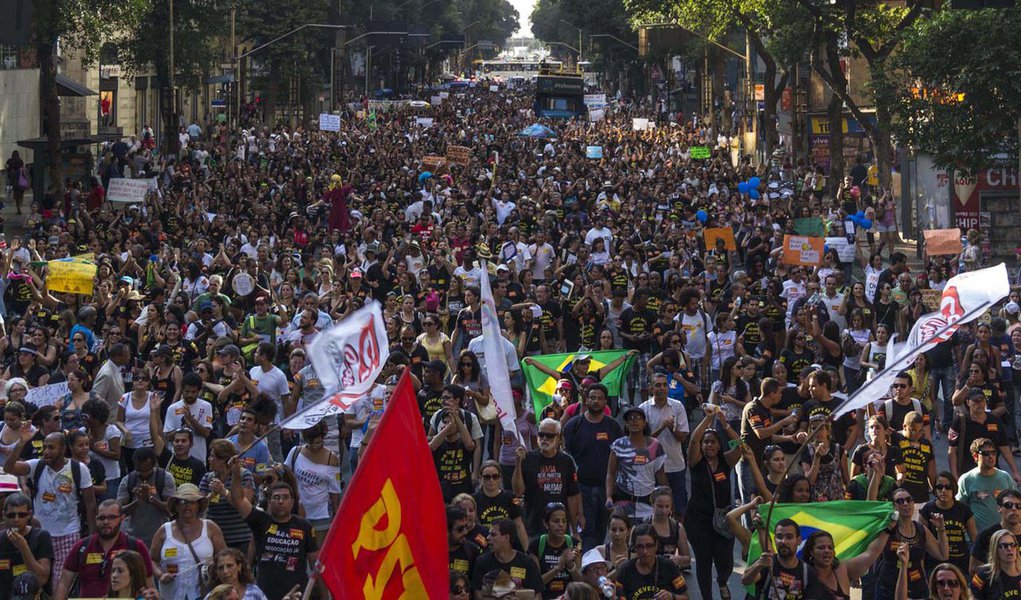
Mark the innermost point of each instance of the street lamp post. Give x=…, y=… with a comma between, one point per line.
x=579, y=35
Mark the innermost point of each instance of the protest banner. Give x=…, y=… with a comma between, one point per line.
x=802, y=250
x=871, y=285
x=941, y=242
x=699, y=152
x=71, y=276
x=328, y=122
x=47, y=395
x=720, y=233
x=435, y=100
x=459, y=155
x=594, y=116
x=638, y=124
x=593, y=151
x=594, y=100
x=542, y=387
x=127, y=191
x=931, y=299
x=433, y=162
x=424, y=121
x=496, y=368
x=845, y=250
x=810, y=226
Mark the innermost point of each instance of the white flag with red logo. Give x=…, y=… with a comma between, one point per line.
x=347, y=358
x=965, y=298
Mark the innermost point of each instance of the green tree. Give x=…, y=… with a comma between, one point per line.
x=83, y=25
x=967, y=107
x=200, y=29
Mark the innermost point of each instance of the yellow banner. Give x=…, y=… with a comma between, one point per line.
x=71, y=276
x=89, y=256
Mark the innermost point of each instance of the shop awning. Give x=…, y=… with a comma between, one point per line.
x=69, y=87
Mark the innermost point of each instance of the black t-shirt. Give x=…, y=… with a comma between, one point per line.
x=429, y=401
x=547, y=561
x=1005, y=586
x=955, y=520
x=916, y=458
x=589, y=444
x=633, y=585
x=547, y=479
x=281, y=552
x=748, y=329
x=980, y=547
x=551, y=311
x=11, y=562
x=189, y=470
x=964, y=430
x=893, y=458
x=454, y=467
x=463, y=558
x=797, y=583
x=841, y=427
x=504, y=505
x=522, y=570
x=637, y=322
x=898, y=411
x=755, y=416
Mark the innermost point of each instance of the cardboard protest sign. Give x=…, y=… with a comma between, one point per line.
x=720, y=233
x=803, y=250
x=459, y=155
x=810, y=226
x=433, y=162
x=845, y=251
x=932, y=299
x=48, y=394
x=424, y=121
x=328, y=122
x=71, y=276
x=127, y=191
x=638, y=124
x=940, y=242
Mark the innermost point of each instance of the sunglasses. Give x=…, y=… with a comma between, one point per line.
x=1011, y=505
x=948, y=583
x=16, y=515
x=547, y=435
x=1007, y=545
x=491, y=477
x=986, y=453
x=903, y=501
x=943, y=486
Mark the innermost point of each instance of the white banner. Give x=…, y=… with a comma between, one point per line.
x=638, y=124
x=127, y=191
x=328, y=122
x=426, y=122
x=845, y=251
x=347, y=357
x=496, y=365
x=594, y=100
x=47, y=394
x=965, y=298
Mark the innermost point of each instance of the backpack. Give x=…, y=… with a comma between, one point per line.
x=132, y=482
x=542, y=544
x=916, y=405
x=76, y=475
x=131, y=543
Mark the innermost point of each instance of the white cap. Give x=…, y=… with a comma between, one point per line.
x=592, y=557
x=1012, y=308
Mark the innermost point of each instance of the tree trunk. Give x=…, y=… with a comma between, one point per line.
x=835, y=112
x=51, y=116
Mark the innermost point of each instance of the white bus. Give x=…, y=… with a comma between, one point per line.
x=508, y=69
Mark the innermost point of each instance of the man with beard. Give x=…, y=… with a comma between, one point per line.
x=547, y=475
x=463, y=553
x=783, y=576
x=587, y=437
x=285, y=544
x=89, y=559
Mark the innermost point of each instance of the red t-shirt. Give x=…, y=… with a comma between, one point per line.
x=92, y=561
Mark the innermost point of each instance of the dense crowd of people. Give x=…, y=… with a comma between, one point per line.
x=132, y=444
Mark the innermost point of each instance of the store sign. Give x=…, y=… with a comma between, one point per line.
x=967, y=194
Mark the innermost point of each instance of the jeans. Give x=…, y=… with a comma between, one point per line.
x=944, y=379
x=745, y=481
x=678, y=482
x=593, y=506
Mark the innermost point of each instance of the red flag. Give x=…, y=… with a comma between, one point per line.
x=390, y=537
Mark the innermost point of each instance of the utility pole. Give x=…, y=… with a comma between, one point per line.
x=173, y=90
x=234, y=60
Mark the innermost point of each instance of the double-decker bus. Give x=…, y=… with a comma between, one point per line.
x=508, y=69
x=559, y=92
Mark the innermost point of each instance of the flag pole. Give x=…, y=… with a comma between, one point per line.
x=311, y=582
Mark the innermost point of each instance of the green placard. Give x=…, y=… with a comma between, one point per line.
x=699, y=152
x=810, y=226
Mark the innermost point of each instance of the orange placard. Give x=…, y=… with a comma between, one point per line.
x=939, y=242
x=803, y=250
x=433, y=162
x=720, y=233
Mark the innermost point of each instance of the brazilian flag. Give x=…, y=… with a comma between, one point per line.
x=852, y=523
x=542, y=385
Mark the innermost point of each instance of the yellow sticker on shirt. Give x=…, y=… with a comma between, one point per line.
x=170, y=553
x=49, y=497
x=64, y=488
x=93, y=558
x=272, y=529
x=518, y=573
x=5, y=565
x=18, y=570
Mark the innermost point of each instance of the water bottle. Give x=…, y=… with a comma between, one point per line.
x=606, y=587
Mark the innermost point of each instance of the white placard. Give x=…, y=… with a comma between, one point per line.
x=494, y=88
x=47, y=395
x=594, y=116
x=871, y=286
x=845, y=251
x=435, y=100
x=128, y=191
x=594, y=100
x=328, y=122
x=444, y=95
x=638, y=124
x=424, y=121
x=243, y=284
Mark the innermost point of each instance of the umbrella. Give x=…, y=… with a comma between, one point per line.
x=537, y=130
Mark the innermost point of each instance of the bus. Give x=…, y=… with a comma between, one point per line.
x=559, y=92
x=507, y=69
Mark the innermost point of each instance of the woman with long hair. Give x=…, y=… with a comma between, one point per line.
x=673, y=540
x=857, y=300
x=617, y=549
x=558, y=556
x=922, y=385
x=838, y=575
x=909, y=543
x=730, y=393
x=853, y=341
x=230, y=568
x=127, y=576
x=317, y=469
x=435, y=341
x=957, y=519
x=796, y=356
x=879, y=439
x=873, y=354
x=182, y=544
x=824, y=462
x=1001, y=575
x=946, y=582
x=887, y=308
x=70, y=405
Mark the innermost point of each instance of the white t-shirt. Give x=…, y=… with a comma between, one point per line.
x=273, y=383
x=543, y=257
x=510, y=353
x=595, y=233
x=202, y=412
x=503, y=209
x=721, y=347
x=471, y=278
x=673, y=448
x=56, y=503
x=315, y=483
x=516, y=252
x=696, y=328
x=112, y=467
x=792, y=290
x=833, y=306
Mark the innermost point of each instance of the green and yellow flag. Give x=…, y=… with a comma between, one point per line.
x=542, y=385
x=852, y=523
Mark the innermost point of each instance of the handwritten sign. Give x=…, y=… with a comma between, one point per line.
x=593, y=152
x=594, y=100
x=127, y=191
x=638, y=124
x=71, y=276
x=802, y=250
x=940, y=242
x=699, y=152
x=424, y=121
x=932, y=299
x=328, y=122
x=845, y=251
x=433, y=162
x=459, y=155
x=47, y=395
x=871, y=286
x=596, y=115
x=713, y=234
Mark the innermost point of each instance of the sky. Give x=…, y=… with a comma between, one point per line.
x=524, y=8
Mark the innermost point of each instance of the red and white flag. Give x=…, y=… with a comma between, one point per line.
x=347, y=358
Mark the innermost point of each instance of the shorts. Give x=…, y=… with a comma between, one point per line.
x=886, y=228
